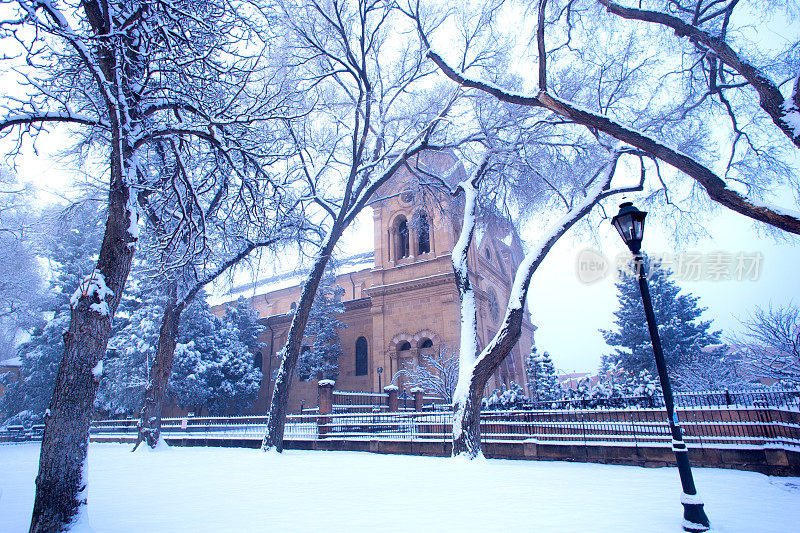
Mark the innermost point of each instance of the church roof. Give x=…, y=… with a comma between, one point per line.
x=293, y=278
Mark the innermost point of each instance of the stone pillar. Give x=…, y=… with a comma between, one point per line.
x=418, y=392
x=325, y=405
x=391, y=390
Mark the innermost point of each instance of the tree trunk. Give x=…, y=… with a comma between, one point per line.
x=149, y=426
x=61, y=481
x=467, y=417
x=467, y=404
x=276, y=420
x=467, y=423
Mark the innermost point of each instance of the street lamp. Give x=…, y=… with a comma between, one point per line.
x=629, y=222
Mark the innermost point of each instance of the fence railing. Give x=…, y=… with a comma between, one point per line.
x=715, y=427
x=360, y=402
x=777, y=398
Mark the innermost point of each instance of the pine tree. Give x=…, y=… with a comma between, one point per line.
x=322, y=347
x=532, y=371
x=683, y=335
x=71, y=254
x=231, y=375
x=246, y=321
x=541, y=374
x=131, y=350
x=547, y=387
x=212, y=367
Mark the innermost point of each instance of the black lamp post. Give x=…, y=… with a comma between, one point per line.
x=630, y=225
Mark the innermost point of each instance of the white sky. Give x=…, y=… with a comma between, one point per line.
x=569, y=313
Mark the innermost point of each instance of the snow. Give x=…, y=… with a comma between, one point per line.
x=132, y=209
x=97, y=371
x=293, y=278
x=325, y=382
x=793, y=120
x=387, y=388
x=776, y=209
x=237, y=489
x=791, y=115
x=93, y=285
x=14, y=361
x=468, y=336
x=691, y=499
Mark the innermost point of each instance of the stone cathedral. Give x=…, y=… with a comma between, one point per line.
x=400, y=299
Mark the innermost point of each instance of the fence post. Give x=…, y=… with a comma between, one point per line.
x=325, y=405
x=391, y=390
x=418, y=392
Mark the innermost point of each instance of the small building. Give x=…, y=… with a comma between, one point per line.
x=400, y=299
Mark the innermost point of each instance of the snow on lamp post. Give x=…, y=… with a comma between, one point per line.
x=629, y=222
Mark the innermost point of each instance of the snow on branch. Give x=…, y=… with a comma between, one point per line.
x=783, y=113
x=715, y=187
x=94, y=288
x=22, y=117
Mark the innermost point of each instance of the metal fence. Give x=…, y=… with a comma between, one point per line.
x=769, y=398
x=703, y=426
x=360, y=402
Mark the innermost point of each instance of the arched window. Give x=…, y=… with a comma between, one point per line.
x=257, y=360
x=427, y=343
x=361, y=356
x=402, y=238
x=423, y=231
x=405, y=345
x=293, y=308
x=488, y=255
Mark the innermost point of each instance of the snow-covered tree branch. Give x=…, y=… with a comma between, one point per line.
x=641, y=124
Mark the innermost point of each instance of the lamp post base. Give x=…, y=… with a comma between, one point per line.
x=694, y=517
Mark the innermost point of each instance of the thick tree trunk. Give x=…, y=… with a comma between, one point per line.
x=149, y=426
x=467, y=416
x=467, y=424
x=61, y=481
x=469, y=391
x=276, y=420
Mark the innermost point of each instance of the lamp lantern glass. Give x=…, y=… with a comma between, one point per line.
x=630, y=225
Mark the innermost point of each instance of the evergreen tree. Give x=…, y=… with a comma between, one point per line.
x=547, y=387
x=71, y=255
x=131, y=350
x=321, y=347
x=246, y=321
x=541, y=374
x=212, y=367
x=683, y=335
x=532, y=371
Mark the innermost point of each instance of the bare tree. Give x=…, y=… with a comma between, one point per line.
x=770, y=343
x=476, y=367
x=21, y=287
x=640, y=99
x=435, y=372
x=214, y=233
x=713, y=28
x=713, y=371
x=373, y=113
x=126, y=76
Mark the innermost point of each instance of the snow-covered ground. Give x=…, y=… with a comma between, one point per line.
x=242, y=490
